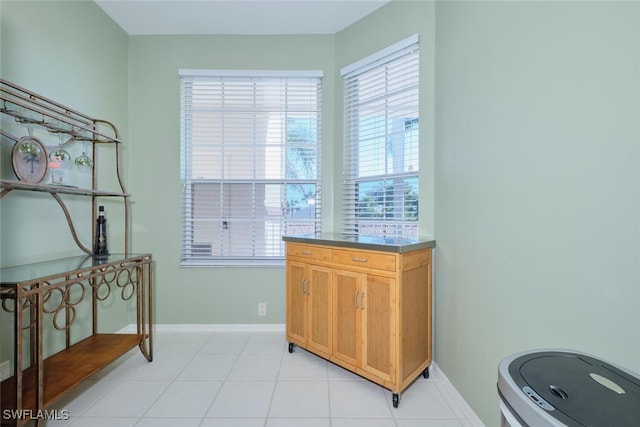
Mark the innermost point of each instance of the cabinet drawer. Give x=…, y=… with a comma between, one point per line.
x=376, y=260
x=310, y=252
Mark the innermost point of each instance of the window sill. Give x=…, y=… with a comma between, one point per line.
x=244, y=263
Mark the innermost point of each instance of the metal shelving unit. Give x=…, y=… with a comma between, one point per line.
x=31, y=109
x=54, y=290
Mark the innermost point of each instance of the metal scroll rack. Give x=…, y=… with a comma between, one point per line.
x=31, y=109
x=46, y=297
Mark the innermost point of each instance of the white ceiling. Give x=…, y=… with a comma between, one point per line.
x=138, y=17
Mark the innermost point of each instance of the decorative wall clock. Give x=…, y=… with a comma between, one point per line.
x=30, y=160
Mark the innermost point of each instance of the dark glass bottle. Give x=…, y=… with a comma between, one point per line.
x=100, y=245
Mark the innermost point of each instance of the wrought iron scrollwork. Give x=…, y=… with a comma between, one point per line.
x=61, y=297
x=102, y=283
x=127, y=280
x=25, y=302
x=65, y=304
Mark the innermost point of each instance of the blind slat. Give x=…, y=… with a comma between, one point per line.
x=250, y=164
x=381, y=163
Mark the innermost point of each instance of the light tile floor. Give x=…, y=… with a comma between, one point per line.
x=244, y=380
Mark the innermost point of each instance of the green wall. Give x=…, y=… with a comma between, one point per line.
x=529, y=151
x=73, y=53
x=206, y=295
x=538, y=186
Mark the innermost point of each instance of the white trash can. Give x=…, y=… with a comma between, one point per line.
x=565, y=388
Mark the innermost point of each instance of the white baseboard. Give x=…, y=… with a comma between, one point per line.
x=198, y=328
x=435, y=372
x=256, y=327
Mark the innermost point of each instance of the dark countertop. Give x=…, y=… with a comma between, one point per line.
x=385, y=244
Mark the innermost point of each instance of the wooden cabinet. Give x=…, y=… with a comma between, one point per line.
x=378, y=327
x=309, y=296
x=348, y=317
x=363, y=322
x=368, y=311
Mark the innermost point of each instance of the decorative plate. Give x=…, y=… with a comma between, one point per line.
x=30, y=160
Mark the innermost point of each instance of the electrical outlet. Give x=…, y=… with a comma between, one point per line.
x=5, y=370
x=262, y=309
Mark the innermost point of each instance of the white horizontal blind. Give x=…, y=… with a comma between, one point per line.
x=250, y=148
x=381, y=170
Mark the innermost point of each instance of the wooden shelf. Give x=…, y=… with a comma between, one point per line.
x=67, y=369
x=9, y=184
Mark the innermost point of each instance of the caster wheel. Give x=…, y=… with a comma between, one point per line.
x=396, y=399
x=291, y=345
x=425, y=373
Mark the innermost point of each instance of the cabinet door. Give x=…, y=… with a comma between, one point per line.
x=378, y=327
x=319, y=309
x=296, y=309
x=347, y=316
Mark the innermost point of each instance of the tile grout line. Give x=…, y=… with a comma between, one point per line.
x=273, y=392
x=260, y=347
x=173, y=380
x=224, y=381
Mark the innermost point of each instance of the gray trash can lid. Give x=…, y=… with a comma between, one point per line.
x=578, y=389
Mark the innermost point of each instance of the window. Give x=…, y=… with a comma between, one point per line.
x=381, y=170
x=250, y=148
